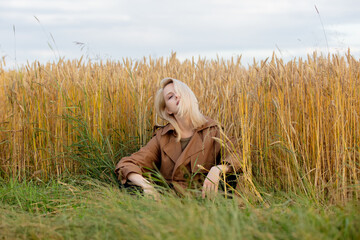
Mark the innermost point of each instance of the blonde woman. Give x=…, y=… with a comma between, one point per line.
x=184, y=151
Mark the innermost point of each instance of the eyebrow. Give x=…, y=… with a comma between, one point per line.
x=169, y=93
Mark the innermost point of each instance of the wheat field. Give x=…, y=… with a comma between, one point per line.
x=297, y=122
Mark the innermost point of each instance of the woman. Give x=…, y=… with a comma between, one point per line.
x=185, y=150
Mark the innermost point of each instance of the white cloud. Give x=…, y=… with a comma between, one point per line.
x=349, y=32
x=137, y=28
x=51, y=5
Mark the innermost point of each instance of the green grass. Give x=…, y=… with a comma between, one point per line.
x=88, y=209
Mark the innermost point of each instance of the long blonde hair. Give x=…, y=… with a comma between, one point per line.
x=188, y=106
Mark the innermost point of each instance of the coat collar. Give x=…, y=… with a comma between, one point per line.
x=209, y=123
x=173, y=148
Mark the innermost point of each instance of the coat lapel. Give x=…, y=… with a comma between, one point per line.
x=195, y=146
x=173, y=149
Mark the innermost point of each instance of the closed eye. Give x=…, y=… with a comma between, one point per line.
x=170, y=97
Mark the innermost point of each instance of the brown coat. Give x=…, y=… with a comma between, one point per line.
x=175, y=166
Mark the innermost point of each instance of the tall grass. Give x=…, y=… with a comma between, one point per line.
x=297, y=122
x=80, y=209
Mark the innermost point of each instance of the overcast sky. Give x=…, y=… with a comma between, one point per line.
x=114, y=29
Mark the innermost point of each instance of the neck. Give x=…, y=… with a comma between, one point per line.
x=185, y=125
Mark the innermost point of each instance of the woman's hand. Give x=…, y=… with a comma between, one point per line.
x=211, y=183
x=139, y=180
x=151, y=192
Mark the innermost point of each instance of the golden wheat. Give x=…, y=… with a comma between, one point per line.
x=297, y=122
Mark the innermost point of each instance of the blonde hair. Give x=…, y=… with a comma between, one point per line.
x=188, y=106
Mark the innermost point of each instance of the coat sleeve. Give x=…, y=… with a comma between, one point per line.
x=140, y=161
x=229, y=152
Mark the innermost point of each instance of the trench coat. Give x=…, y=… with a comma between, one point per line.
x=186, y=168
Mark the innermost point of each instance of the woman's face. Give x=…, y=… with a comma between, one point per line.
x=172, y=99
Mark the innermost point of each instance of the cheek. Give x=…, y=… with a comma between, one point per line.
x=167, y=105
